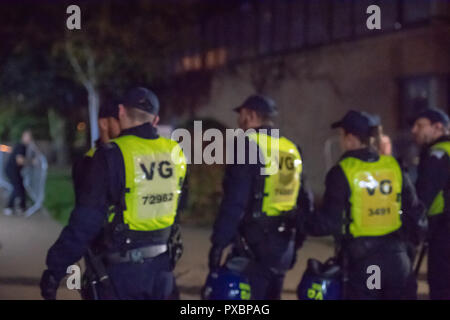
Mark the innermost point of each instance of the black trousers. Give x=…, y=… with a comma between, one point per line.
x=397, y=280
x=151, y=280
x=264, y=283
x=439, y=260
x=18, y=190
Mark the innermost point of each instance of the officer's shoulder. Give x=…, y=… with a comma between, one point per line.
x=437, y=153
x=106, y=149
x=335, y=172
x=108, y=146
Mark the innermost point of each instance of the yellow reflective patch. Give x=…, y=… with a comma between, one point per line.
x=245, y=291
x=156, y=186
x=315, y=292
x=287, y=180
x=282, y=186
x=378, y=201
x=153, y=180
x=375, y=197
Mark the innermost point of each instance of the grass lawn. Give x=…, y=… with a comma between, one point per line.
x=59, y=194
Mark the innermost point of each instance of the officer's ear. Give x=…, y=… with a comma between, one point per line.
x=155, y=121
x=103, y=123
x=122, y=111
x=438, y=127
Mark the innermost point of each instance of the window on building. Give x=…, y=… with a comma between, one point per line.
x=390, y=14
x=247, y=31
x=341, y=20
x=416, y=10
x=318, y=14
x=298, y=20
x=265, y=18
x=232, y=37
x=281, y=25
x=210, y=34
x=418, y=93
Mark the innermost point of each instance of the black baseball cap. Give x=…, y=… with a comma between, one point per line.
x=143, y=99
x=260, y=104
x=434, y=115
x=358, y=123
x=375, y=120
x=109, y=108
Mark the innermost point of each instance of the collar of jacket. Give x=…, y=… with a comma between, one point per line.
x=438, y=140
x=266, y=127
x=365, y=154
x=146, y=131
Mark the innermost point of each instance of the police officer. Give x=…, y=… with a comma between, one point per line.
x=259, y=212
x=371, y=208
x=141, y=175
x=382, y=142
x=430, y=131
x=109, y=127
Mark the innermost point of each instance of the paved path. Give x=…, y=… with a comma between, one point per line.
x=25, y=242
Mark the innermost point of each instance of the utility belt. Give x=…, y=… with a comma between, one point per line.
x=138, y=255
x=119, y=235
x=284, y=225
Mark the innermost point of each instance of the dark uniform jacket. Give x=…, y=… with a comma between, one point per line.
x=239, y=186
x=80, y=170
x=433, y=177
x=103, y=186
x=330, y=220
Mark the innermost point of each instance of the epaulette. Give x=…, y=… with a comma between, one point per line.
x=437, y=153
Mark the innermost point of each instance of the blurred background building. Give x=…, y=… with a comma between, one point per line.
x=318, y=59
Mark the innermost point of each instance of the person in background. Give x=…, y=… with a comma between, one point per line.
x=108, y=123
x=382, y=141
x=372, y=210
x=14, y=166
x=141, y=176
x=431, y=133
x=261, y=216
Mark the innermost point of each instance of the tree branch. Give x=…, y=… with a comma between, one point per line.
x=76, y=65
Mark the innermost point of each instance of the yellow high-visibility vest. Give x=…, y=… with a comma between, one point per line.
x=284, y=166
x=438, y=204
x=375, y=195
x=154, y=173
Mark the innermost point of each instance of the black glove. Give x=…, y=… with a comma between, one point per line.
x=49, y=285
x=215, y=256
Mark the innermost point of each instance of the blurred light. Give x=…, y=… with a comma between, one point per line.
x=216, y=58
x=5, y=148
x=192, y=63
x=213, y=58
x=81, y=126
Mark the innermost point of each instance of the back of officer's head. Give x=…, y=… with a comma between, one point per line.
x=256, y=111
x=138, y=106
x=356, y=130
x=429, y=125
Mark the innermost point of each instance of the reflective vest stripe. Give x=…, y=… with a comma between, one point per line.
x=90, y=153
